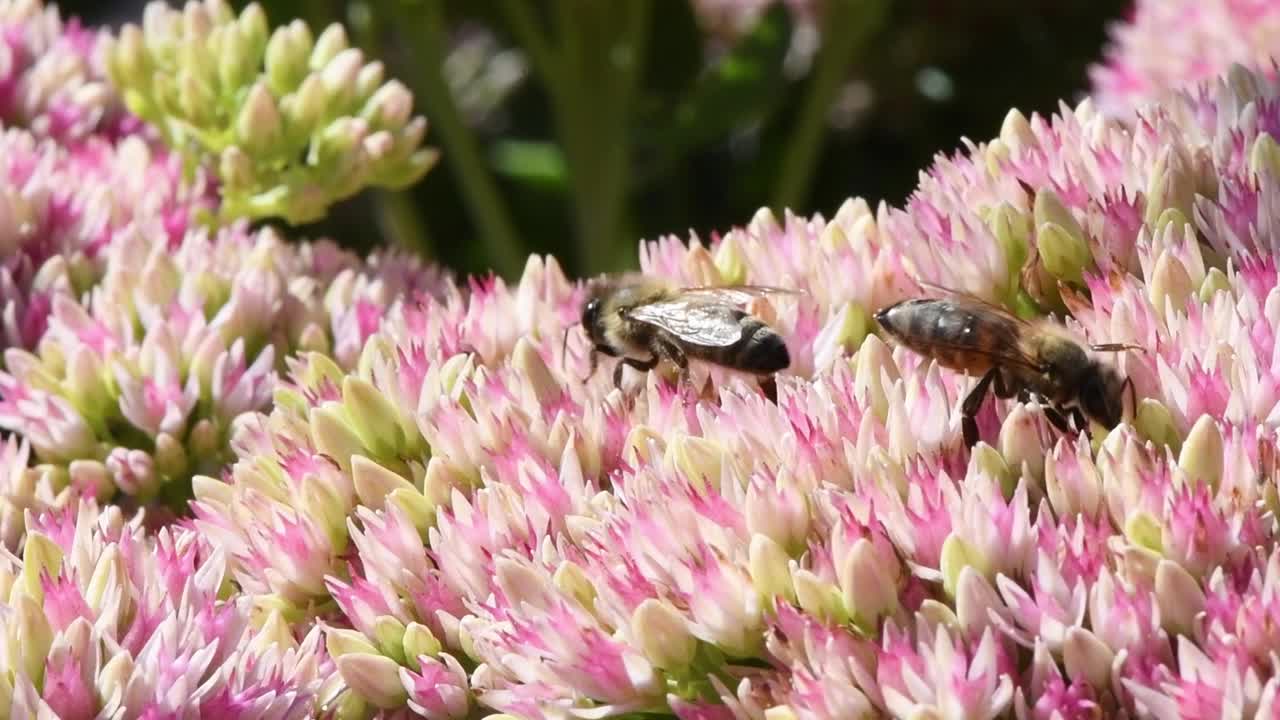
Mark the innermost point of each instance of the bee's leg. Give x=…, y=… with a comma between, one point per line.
x=594, y=357
x=1077, y=417
x=1004, y=388
x=769, y=386
x=667, y=350
x=1055, y=416
x=641, y=365
x=972, y=404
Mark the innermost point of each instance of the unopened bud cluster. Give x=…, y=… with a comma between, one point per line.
x=290, y=121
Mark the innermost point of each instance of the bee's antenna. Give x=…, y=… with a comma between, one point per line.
x=564, y=348
x=1116, y=347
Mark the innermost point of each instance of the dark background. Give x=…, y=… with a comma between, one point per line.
x=931, y=72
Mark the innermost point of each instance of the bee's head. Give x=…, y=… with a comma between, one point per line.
x=1102, y=394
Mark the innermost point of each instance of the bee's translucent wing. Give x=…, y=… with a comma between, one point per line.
x=737, y=294
x=974, y=303
x=693, y=320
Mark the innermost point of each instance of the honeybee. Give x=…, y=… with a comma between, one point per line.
x=643, y=321
x=1013, y=357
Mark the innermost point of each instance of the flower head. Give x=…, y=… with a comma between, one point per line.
x=52, y=82
x=1165, y=46
x=293, y=122
x=103, y=617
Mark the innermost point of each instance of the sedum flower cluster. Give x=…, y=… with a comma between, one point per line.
x=1165, y=45
x=482, y=526
x=51, y=76
x=133, y=332
x=102, y=618
x=297, y=122
x=244, y=476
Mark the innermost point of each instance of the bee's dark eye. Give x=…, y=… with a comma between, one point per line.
x=591, y=312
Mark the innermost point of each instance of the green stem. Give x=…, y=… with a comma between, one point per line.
x=502, y=244
x=591, y=102
x=846, y=27
x=525, y=27
x=400, y=221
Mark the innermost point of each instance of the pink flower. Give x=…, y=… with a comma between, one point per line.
x=577, y=654
x=1165, y=46
x=131, y=621
x=941, y=674
x=53, y=82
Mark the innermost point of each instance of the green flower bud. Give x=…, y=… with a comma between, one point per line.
x=339, y=143
x=287, y=56
x=1064, y=255
x=205, y=439
x=989, y=460
x=36, y=636
x=196, y=98
x=769, y=567
x=956, y=556
x=254, y=31
x=334, y=436
x=1215, y=281
x=1172, y=184
x=259, y=127
x=818, y=598
x=419, y=641
x=1049, y=210
x=237, y=60
x=1155, y=423
x=1144, y=531
x=373, y=418
x=570, y=578
x=420, y=511
x=1201, y=456
x=1179, y=597
x=1015, y=131
x=127, y=60
x=303, y=109
x=330, y=43
x=369, y=79
x=1086, y=658
x=1012, y=230
x=389, y=108
x=170, y=456
x=1264, y=157
x=339, y=80
x=729, y=261
x=40, y=555
x=1170, y=284
x=1171, y=217
x=389, y=635
x=663, y=635
x=341, y=642
x=374, y=483
x=374, y=677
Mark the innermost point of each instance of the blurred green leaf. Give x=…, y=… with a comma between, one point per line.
x=740, y=88
x=535, y=162
x=675, y=57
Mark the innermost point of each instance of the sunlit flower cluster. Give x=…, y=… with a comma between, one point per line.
x=1167, y=45
x=479, y=524
x=136, y=387
x=51, y=76
x=132, y=333
x=295, y=121
x=101, y=617
x=252, y=476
